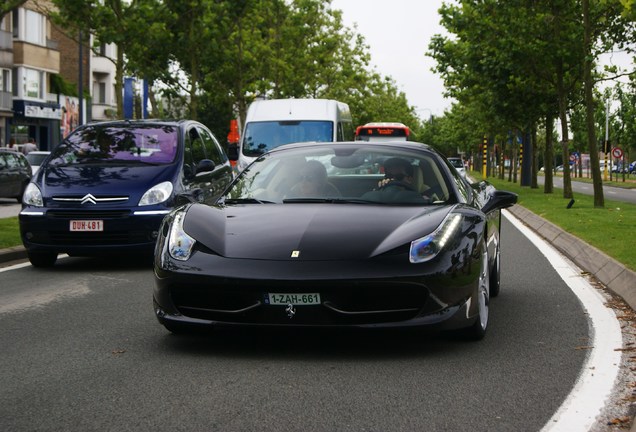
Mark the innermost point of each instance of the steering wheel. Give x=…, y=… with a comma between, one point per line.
x=397, y=183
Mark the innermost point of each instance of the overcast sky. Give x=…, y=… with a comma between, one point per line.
x=398, y=33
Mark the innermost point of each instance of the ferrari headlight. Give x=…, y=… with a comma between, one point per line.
x=426, y=248
x=32, y=196
x=156, y=194
x=180, y=244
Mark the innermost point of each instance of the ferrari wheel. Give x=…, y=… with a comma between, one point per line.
x=478, y=330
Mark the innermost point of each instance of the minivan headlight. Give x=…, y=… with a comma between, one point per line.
x=156, y=194
x=426, y=248
x=32, y=196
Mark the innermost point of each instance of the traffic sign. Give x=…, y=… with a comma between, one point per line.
x=617, y=152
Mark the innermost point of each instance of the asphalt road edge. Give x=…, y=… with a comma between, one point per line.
x=614, y=275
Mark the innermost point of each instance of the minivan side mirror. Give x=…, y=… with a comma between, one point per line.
x=205, y=165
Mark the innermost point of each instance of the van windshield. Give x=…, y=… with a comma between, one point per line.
x=261, y=137
x=151, y=144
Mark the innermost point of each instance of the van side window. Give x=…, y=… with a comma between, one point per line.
x=212, y=147
x=345, y=131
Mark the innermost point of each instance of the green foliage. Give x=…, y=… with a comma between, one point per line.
x=60, y=86
x=8, y=5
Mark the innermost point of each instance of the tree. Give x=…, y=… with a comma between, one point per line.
x=8, y=5
x=113, y=21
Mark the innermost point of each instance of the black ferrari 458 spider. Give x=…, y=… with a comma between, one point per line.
x=336, y=234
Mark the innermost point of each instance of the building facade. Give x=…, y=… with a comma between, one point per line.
x=32, y=52
x=35, y=58
x=6, y=66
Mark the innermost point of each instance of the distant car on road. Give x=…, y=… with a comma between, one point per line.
x=36, y=158
x=106, y=188
x=458, y=163
x=346, y=234
x=15, y=174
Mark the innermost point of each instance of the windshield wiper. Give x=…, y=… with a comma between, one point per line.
x=329, y=200
x=244, y=201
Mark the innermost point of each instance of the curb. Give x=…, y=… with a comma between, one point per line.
x=12, y=254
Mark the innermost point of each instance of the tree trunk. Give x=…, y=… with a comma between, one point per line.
x=534, y=184
x=119, y=83
x=599, y=199
x=548, y=184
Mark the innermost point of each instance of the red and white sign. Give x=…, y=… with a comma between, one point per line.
x=617, y=152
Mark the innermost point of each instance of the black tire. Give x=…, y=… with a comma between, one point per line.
x=495, y=275
x=477, y=330
x=42, y=259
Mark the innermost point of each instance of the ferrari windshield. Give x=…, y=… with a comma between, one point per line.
x=130, y=144
x=343, y=173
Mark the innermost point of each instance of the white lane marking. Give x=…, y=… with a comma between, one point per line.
x=15, y=266
x=596, y=381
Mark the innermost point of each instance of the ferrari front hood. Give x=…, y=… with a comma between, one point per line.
x=309, y=231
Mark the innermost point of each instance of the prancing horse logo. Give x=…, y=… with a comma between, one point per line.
x=291, y=310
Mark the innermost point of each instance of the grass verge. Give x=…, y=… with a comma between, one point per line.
x=9, y=232
x=611, y=229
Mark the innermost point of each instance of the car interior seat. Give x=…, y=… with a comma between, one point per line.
x=418, y=180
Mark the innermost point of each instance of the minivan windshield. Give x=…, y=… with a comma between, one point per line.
x=261, y=137
x=150, y=144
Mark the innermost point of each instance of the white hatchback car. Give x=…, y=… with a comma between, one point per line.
x=35, y=158
x=458, y=163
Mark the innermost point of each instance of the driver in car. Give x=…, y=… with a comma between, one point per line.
x=397, y=184
x=397, y=170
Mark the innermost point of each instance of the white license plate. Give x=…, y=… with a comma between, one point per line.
x=285, y=299
x=86, y=225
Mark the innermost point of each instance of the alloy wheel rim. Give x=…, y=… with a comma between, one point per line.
x=484, y=292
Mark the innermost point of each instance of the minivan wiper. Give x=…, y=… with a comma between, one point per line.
x=329, y=200
x=244, y=201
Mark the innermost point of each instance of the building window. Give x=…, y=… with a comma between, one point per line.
x=36, y=25
x=5, y=80
x=32, y=84
x=29, y=26
x=16, y=23
x=99, y=92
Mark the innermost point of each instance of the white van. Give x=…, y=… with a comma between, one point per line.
x=270, y=123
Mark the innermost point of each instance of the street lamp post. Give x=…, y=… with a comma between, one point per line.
x=430, y=112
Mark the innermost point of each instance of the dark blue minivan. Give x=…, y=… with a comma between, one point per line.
x=107, y=186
